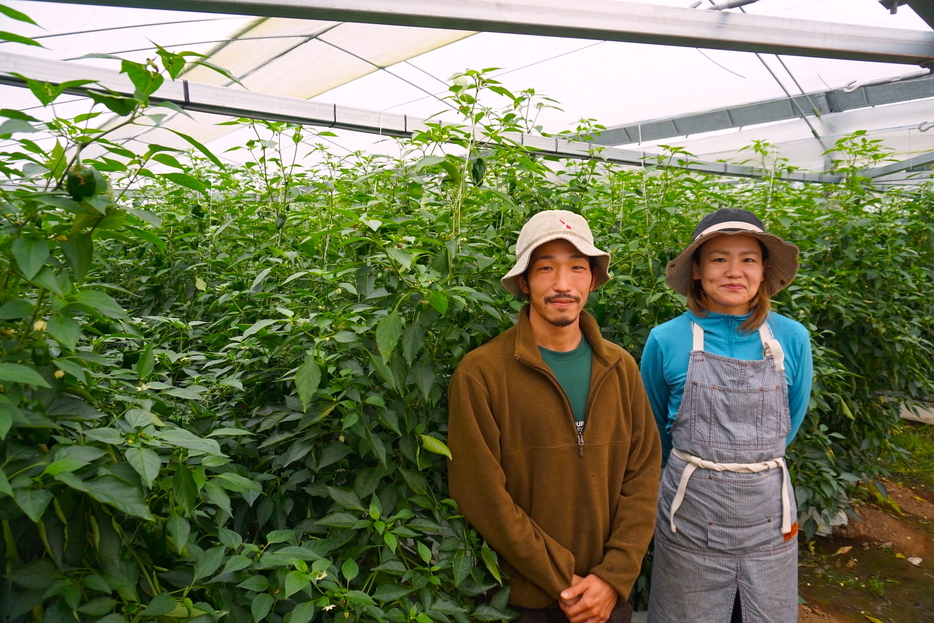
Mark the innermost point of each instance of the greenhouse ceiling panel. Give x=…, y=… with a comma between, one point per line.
x=715, y=80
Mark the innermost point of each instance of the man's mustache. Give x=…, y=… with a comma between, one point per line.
x=562, y=297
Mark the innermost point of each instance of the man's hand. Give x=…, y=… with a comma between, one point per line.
x=565, y=603
x=588, y=600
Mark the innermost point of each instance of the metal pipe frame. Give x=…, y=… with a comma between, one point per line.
x=605, y=20
x=896, y=167
x=779, y=109
x=193, y=96
x=924, y=9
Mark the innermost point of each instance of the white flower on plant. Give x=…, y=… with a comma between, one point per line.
x=320, y=576
x=461, y=81
x=142, y=387
x=328, y=607
x=40, y=325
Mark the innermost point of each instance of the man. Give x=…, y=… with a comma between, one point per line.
x=555, y=452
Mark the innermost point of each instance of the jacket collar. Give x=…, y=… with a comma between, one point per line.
x=527, y=348
x=726, y=324
x=714, y=317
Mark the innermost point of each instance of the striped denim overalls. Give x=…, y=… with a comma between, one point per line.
x=725, y=510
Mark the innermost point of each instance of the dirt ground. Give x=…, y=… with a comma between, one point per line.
x=879, y=570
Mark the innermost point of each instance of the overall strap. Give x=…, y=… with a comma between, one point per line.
x=770, y=346
x=698, y=334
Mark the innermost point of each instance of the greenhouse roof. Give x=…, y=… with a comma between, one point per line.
x=798, y=74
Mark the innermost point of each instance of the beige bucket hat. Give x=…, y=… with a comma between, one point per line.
x=552, y=225
x=781, y=265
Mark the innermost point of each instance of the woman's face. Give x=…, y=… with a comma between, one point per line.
x=730, y=269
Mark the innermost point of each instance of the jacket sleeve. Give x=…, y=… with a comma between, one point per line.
x=478, y=485
x=634, y=517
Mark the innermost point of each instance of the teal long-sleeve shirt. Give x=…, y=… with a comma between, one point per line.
x=667, y=353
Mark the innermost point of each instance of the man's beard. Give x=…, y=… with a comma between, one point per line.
x=562, y=321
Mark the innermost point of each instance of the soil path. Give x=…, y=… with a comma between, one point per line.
x=878, y=570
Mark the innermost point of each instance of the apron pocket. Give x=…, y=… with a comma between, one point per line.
x=733, y=419
x=744, y=538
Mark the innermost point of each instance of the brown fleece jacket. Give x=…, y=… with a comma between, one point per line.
x=548, y=506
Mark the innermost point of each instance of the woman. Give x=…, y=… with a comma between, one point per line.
x=729, y=383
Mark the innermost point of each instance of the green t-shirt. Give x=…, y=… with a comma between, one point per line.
x=572, y=369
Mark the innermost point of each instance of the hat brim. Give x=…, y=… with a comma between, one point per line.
x=601, y=264
x=782, y=261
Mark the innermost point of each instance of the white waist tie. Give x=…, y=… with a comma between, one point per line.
x=693, y=462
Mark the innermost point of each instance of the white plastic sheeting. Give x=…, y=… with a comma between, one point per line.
x=303, y=58
x=405, y=70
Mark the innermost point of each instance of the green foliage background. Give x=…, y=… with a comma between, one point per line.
x=222, y=389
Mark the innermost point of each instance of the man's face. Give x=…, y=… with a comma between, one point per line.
x=558, y=282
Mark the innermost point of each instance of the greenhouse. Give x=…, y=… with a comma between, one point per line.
x=244, y=245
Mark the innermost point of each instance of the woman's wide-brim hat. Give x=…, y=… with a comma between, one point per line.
x=553, y=225
x=781, y=265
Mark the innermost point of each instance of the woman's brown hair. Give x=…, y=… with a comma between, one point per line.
x=760, y=304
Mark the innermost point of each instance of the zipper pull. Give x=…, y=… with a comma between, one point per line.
x=580, y=438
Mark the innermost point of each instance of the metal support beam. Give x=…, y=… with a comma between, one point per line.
x=232, y=102
x=585, y=151
x=892, y=5
x=895, y=167
x=780, y=109
x=608, y=20
x=902, y=180
x=924, y=9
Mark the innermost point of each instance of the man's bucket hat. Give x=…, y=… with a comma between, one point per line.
x=781, y=265
x=552, y=225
